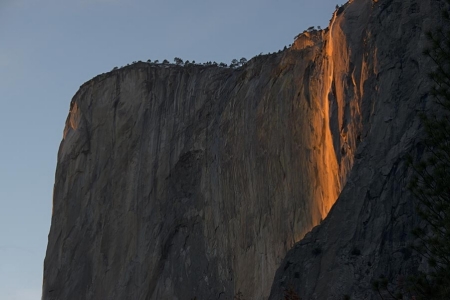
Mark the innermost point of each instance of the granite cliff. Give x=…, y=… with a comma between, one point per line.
x=175, y=182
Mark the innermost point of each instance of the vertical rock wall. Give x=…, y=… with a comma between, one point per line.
x=181, y=182
x=367, y=232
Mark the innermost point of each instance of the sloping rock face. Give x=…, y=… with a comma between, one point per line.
x=367, y=233
x=180, y=182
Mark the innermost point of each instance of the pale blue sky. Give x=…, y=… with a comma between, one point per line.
x=48, y=48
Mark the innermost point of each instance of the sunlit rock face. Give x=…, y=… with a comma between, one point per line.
x=376, y=49
x=180, y=182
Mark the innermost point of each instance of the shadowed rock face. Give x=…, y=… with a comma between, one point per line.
x=181, y=182
x=367, y=232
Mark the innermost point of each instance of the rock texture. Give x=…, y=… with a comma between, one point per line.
x=180, y=182
x=368, y=231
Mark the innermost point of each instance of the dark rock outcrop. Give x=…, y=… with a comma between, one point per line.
x=367, y=233
x=180, y=182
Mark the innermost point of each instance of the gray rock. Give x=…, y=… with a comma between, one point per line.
x=175, y=183
x=180, y=182
x=368, y=231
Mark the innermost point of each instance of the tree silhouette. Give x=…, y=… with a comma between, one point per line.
x=178, y=61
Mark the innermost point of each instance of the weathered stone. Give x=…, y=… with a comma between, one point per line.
x=368, y=231
x=180, y=182
x=189, y=181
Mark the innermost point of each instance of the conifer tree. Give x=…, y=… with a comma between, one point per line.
x=431, y=183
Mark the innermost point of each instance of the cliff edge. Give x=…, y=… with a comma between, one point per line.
x=368, y=231
x=180, y=182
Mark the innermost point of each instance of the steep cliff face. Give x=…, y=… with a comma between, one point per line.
x=176, y=182
x=367, y=232
x=181, y=182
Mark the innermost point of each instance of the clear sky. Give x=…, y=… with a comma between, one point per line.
x=48, y=48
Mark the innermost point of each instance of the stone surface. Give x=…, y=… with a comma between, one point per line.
x=176, y=182
x=179, y=182
x=368, y=230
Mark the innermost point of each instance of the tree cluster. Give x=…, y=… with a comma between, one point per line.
x=179, y=62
